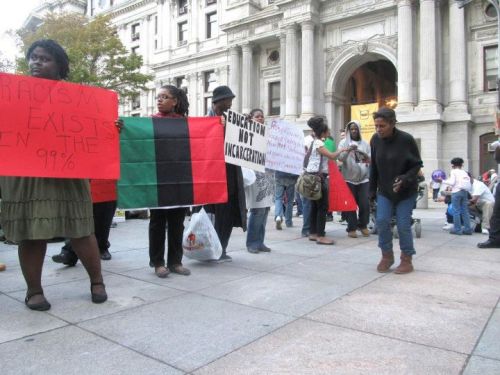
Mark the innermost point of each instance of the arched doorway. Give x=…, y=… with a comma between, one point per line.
x=375, y=59
x=372, y=82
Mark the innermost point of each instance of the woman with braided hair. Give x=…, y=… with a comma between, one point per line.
x=172, y=102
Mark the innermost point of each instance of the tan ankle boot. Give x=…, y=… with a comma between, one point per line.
x=386, y=262
x=405, y=266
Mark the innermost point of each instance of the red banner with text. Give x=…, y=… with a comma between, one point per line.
x=57, y=129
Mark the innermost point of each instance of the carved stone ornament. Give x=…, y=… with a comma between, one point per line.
x=362, y=48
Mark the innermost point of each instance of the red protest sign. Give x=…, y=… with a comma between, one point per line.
x=57, y=129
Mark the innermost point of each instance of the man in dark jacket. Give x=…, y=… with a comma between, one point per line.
x=233, y=213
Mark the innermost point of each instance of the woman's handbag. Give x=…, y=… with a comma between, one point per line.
x=309, y=184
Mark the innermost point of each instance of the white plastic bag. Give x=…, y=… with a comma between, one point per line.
x=248, y=176
x=200, y=240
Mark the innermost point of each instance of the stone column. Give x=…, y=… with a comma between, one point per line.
x=235, y=76
x=282, y=74
x=405, y=56
x=458, y=61
x=292, y=72
x=193, y=25
x=428, y=58
x=307, y=69
x=246, y=84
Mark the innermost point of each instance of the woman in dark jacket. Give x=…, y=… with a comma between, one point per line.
x=395, y=163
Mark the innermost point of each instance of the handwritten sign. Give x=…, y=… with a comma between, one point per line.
x=285, y=147
x=245, y=143
x=57, y=129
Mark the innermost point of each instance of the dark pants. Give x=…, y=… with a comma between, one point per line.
x=225, y=216
x=318, y=212
x=157, y=225
x=495, y=218
x=359, y=220
x=103, y=217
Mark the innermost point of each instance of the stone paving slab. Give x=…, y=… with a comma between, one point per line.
x=203, y=275
x=17, y=321
x=71, y=350
x=241, y=317
x=71, y=301
x=187, y=331
x=482, y=366
x=489, y=345
x=428, y=320
x=311, y=348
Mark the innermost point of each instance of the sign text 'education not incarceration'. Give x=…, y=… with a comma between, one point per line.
x=245, y=142
x=57, y=129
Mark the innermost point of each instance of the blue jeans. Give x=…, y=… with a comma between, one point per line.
x=459, y=202
x=257, y=227
x=306, y=216
x=385, y=210
x=281, y=190
x=298, y=199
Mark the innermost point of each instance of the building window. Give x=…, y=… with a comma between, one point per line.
x=156, y=25
x=211, y=25
x=135, y=31
x=134, y=50
x=490, y=68
x=490, y=11
x=274, y=98
x=136, y=102
x=181, y=83
x=210, y=2
x=183, y=7
x=210, y=81
x=156, y=44
x=209, y=84
x=182, y=28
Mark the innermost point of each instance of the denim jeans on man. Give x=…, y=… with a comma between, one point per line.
x=282, y=190
x=385, y=211
x=257, y=227
x=459, y=202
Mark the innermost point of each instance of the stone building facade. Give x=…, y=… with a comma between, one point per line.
x=296, y=58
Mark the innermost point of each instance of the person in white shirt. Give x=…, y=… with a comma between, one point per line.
x=482, y=200
x=460, y=184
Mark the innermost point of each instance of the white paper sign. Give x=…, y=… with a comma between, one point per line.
x=245, y=143
x=285, y=147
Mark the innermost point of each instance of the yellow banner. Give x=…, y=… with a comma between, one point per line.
x=363, y=113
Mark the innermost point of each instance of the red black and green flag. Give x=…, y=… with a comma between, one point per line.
x=171, y=162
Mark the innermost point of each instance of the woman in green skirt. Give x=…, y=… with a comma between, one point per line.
x=35, y=210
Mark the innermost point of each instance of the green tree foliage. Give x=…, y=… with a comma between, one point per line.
x=97, y=56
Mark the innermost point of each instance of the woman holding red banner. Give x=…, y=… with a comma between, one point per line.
x=35, y=210
x=317, y=162
x=172, y=102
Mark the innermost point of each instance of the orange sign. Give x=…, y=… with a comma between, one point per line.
x=57, y=129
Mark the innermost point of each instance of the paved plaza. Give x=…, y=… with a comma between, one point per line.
x=301, y=309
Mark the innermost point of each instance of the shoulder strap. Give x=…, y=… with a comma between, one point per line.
x=308, y=155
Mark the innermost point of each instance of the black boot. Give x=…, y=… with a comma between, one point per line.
x=67, y=256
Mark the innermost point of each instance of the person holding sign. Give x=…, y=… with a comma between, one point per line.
x=318, y=163
x=233, y=213
x=260, y=196
x=35, y=210
x=172, y=102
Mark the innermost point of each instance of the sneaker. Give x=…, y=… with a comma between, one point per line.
x=447, y=226
x=278, y=223
x=329, y=217
x=365, y=232
x=352, y=234
x=265, y=249
x=253, y=251
x=455, y=232
x=485, y=231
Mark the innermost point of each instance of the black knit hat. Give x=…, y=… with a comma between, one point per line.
x=221, y=93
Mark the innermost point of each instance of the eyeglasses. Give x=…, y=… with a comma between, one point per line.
x=164, y=97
